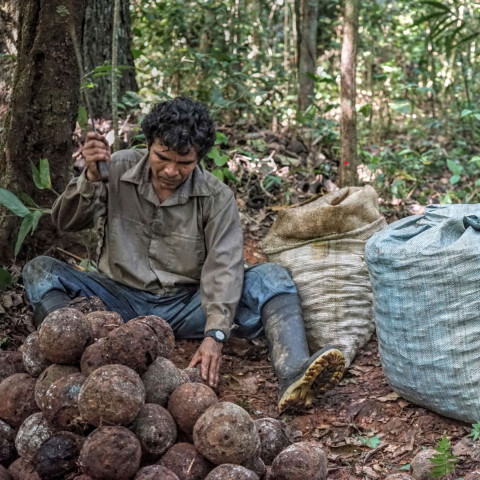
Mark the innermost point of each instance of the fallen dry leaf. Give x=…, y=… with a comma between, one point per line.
x=389, y=398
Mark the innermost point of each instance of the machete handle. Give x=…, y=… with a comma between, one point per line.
x=103, y=169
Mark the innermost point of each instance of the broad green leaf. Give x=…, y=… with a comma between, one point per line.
x=37, y=214
x=25, y=228
x=27, y=200
x=454, y=179
x=5, y=277
x=10, y=201
x=372, y=442
x=455, y=168
x=465, y=113
x=477, y=183
x=82, y=117
x=41, y=175
x=219, y=174
x=230, y=176
x=219, y=158
x=477, y=116
x=221, y=139
x=45, y=173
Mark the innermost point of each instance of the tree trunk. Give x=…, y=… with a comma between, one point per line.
x=97, y=51
x=8, y=39
x=44, y=103
x=348, y=124
x=307, y=24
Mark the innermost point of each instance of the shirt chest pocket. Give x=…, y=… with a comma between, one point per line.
x=185, y=254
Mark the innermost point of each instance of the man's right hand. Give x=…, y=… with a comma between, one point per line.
x=95, y=149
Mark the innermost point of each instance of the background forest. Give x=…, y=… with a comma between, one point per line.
x=271, y=74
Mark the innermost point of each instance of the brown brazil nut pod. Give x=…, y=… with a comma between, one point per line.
x=111, y=395
x=17, y=398
x=188, y=402
x=32, y=433
x=300, y=460
x=134, y=344
x=156, y=430
x=273, y=438
x=61, y=403
x=11, y=362
x=4, y=475
x=110, y=453
x=57, y=456
x=93, y=357
x=164, y=332
x=155, y=472
x=22, y=469
x=7, y=444
x=34, y=360
x=186, y=462
x=225, y=433
x=232, y=472
x=103, y=322
x=64, y=335
x=49, y=376
x=161, y=379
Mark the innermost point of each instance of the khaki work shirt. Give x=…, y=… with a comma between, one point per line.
x=193, y=237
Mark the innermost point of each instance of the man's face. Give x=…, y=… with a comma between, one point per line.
x=169, y=168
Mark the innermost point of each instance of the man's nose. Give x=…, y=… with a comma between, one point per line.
x=171, y=170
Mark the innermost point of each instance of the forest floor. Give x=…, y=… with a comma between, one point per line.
x=366, y=429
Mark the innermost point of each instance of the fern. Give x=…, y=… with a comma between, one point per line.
x=475, y=433
x=444, y=462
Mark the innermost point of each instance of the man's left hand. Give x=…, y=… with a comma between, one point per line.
x=209, y=354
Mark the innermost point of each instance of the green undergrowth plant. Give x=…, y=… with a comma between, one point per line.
x=24, y=206
x=444, y=461
x=6, y=278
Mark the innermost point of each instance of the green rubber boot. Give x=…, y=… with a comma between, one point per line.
x=296, y=370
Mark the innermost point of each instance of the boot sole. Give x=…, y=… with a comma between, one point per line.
x=325, y=371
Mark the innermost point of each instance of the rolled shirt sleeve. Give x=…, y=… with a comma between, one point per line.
x=222, y=273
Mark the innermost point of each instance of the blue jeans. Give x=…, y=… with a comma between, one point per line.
x=182, y=309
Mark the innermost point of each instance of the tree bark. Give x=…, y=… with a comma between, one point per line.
x=8, y=39
x=43, y=106
x=307, y=25
x=348, y=124
x=97, y=51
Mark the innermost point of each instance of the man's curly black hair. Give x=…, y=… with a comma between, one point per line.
x=180, y=124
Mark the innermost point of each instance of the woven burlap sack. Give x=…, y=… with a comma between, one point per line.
x=425, y=274
x=322, y=244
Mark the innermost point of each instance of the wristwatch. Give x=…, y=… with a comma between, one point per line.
x=217, y=335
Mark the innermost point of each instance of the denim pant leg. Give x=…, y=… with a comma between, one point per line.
x=261, y=283
x=43, y=275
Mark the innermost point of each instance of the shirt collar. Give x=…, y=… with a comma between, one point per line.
x=194, y=186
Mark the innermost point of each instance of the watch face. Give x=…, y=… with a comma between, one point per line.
x=219, y=335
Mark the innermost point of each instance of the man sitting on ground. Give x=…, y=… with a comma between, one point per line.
x=171, y=245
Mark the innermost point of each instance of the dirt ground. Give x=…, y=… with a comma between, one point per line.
x=361, y=408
